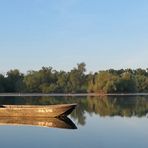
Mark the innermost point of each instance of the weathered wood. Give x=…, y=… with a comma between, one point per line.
x=36, y=111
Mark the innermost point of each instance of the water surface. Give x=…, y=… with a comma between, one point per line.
x=101, y=122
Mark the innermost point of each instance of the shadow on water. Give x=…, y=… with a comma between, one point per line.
x=123, y=106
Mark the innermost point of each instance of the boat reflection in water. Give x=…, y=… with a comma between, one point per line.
x=45, y=116
x=61, y=122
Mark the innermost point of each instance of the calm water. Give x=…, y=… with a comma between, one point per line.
x=105, y=122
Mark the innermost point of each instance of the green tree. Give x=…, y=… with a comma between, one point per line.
x=127, y=83
x=2, y=83
x=77, y=79
x=14, y=81
x=62, y=79
x=105, y=82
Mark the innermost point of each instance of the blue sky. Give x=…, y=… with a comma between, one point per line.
x=61, y=33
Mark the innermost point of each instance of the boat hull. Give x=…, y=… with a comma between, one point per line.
x=36, y=111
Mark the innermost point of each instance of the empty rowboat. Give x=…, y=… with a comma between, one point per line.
x=36, y=110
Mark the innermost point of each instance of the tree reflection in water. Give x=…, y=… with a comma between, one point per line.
x=103, y=106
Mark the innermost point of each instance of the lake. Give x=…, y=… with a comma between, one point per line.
x=105, y=122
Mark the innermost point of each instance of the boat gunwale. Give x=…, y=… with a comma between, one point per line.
x=37, y=106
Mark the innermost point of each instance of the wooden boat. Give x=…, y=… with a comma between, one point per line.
x=64, y=122
x=36, y=110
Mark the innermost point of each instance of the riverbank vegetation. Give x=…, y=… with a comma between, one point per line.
x=48, y=80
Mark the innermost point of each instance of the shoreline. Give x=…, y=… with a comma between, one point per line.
x=70, y=94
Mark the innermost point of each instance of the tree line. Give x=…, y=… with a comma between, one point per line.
x=48, y=80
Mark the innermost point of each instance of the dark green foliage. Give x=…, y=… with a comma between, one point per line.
x=119, y=81
x=47, y=80
x=77, y=79
x=13, y=81
x=2, y=83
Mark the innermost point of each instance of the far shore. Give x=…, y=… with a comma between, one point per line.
x=72, y=94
